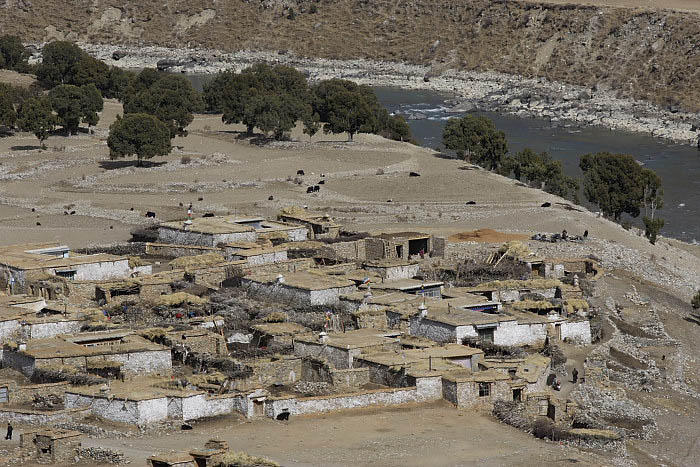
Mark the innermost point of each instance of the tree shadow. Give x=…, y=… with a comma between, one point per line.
x=24, y=148
x=569, y=207
x=693, y=319
x=444, y=155
x=121, y=164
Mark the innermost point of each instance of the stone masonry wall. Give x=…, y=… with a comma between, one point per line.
x=577, y=331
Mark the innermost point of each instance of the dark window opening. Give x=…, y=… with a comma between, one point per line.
x=416, y=246
x=484, y=389
x=518, y=395
x=399, y=251
x=486, y=335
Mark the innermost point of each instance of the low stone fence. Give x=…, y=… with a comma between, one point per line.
x=323, y=404
x=23, y=394
x=38, y=417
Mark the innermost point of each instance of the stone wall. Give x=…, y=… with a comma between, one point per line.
x=19, y=361
x=298, y=296
x=139, y=363
x=433, y=330
x=139, y=412
x=466, y=394
x=374, y=249
x=181, y=237
x=511, y=333
x=36, y=417
x=263, y=258
x=8, y=329
x=353, y=251
x=394, y=273
x=338, y=358
x=324, y=404
x=576, y=331
x=50, y=329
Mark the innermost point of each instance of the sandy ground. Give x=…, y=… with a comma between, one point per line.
x=681, y=5
x=435, y=434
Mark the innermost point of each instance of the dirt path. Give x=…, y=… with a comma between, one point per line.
x=425, y=435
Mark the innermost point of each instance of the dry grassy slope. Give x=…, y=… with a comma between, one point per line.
x=644, y=54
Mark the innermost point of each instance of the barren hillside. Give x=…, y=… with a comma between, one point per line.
x=650, y=54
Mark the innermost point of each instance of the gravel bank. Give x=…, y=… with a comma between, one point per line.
x=473, y=90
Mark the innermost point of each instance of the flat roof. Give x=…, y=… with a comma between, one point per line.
x=21, y=257
x=402, y=235
x=70, y=346
x=410, y=356
x=515, y=284
x=356, y=339
x=404, y=284
x=210, y=225
x=388, y=263
x=306, y=280
x=486, y=376
x=259, y=251
x=280, y=329
x=461, y=317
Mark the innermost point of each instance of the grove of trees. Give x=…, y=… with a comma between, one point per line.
x=477, y=140
x=74, y=105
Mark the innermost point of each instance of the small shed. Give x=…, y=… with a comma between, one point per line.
x=57, y=446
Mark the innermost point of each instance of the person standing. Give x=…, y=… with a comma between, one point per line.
x=9, y=431
x=574, y=375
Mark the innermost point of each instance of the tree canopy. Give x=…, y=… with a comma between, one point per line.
x=13, y=55
x=543, y=172
x=346, y=107
x=138, y=134
x=74, y=105
x=36, y=116
x=477, y=140
x=270, y=98
x=8, y=115
x=169, y=97
x=618, y=184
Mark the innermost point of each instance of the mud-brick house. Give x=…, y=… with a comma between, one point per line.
x=265, y=334
x=57, y=446
x=318, y=225
x=135, y=355
x=467, y=389
x=515, y=290
x=206, y=231
x=513, y=329
x=38, y=269
x=341, y=348
x=256, y=255
x=410, y=245
x=301, y=287
x=408, y=286
x=394, y=366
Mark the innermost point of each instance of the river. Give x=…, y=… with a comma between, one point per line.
x=677, y=165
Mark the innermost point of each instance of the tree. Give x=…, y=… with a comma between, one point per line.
x=652, y=192
x=74, y=105
x=36, y=116
x=137, y=134
x=696, y=300
x=477, y=140
x=614, y=182
x=8, y=115
x=64, y=62
x=346, y=107
x=652, y=228
x=543, y=172
x=271, y=98
x=13, y=55
x=169, y=97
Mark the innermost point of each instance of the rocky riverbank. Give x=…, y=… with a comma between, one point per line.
x=488, y=91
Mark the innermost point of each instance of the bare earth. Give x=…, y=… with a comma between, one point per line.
x=681, y=5
x=433, y=435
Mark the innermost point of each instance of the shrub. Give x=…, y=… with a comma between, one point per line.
x=185, y=160
x=652, y=228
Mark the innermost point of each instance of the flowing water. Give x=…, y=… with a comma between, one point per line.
x=677, y=165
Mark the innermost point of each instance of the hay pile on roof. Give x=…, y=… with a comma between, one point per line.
x=516, y=284
x=294, y=211
x=179, y=299
x=575, y=304
x=136, y=261
x=276, y=317
x=198, y=261
x=533, y=305
x=515, y=249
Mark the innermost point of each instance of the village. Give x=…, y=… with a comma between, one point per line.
x=338, y=321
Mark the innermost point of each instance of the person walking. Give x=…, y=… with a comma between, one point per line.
x=574, y=375
x=9, y=431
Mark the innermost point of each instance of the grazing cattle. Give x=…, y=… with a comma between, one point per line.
x=150, y=214
x=309, y=189
x=270, y=198
x=300, y=172
x=208, y=214
x=72, y=212
x=413, y=174
x=321, y=182
x=283, y=416
x=316, y=188
x=200, y=199
x=471, y=202
x=546, y=205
